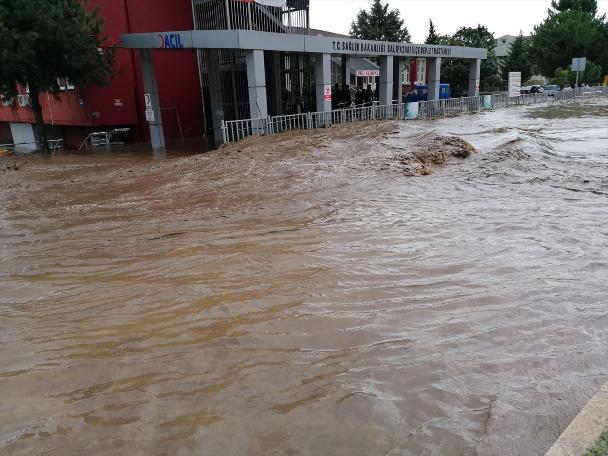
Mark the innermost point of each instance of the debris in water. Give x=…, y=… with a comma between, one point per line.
x=436, y=151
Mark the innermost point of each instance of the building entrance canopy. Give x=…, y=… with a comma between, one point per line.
x=266, y=41
x=254, y=44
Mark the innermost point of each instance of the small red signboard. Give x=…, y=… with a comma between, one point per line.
x=367, y=73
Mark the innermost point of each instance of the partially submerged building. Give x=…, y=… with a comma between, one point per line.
x=187, y=66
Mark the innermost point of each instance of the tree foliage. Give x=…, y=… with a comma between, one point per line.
x=433, y=37
x=562, y=77
x=572, y=30
x=566, y=77
x=519, y=59
x=588, y=6
x=46, y=39
x=380, y=24
x=456, y=71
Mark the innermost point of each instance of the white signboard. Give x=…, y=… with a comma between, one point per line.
x=149, y=108
x=367, y=73
x=514, y=84
x=327, y=93
x=579, y=64
x=150, y=115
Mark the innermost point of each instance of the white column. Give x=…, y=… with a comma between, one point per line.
x=157, y=135
x=398, y=65
x=323, y=82
x=434, y=78
x=256, y=80
x=386, y=80
x=474, y=75
x=345, y=70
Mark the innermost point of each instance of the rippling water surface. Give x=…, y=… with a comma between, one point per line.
x=302, y=296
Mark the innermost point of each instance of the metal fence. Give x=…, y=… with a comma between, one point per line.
x=502, y=100
x=236, y=130
x=448, y=107
x=245, y=15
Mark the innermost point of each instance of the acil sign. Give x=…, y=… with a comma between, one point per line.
x=171, y=41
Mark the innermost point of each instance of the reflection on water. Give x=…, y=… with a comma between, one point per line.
x=175, y=149
x=301, y=296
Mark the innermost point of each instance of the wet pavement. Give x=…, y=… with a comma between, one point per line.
x=310, y=293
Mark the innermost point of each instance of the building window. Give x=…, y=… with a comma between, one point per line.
x=64, y=84
x=405, y=74
x=7, y=101
x=420, y=71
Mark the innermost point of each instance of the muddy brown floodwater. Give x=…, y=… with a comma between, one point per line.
x=310, y=293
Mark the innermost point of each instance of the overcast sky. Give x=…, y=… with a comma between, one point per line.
x=503, y=17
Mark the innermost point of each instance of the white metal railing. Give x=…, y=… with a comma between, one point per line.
x=236, y=130
x=279, y=124
x=291, y=18
x=502, y=100
x=359, y=113
x=448, y=107
x=55, y=144
x=102, y=138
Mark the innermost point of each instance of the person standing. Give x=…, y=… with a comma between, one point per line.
x=368, y=97
x=359, y=97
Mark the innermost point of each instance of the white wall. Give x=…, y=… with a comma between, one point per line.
x=24, y=137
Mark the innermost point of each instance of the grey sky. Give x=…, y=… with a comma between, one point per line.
x=503, y=17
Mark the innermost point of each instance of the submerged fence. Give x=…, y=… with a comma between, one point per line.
x=235, y=130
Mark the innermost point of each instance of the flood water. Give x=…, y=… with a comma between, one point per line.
x=300, y=295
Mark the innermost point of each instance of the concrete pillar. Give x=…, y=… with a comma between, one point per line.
x=386, y=80
x=434, y=78
x=474, y=75
x=398, y=66
x=215, y=93
x=277, y=83
x=323, y=81
x=153, y=113
x=346, y=69
x=256, y=81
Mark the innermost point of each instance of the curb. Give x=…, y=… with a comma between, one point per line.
x=586, y=428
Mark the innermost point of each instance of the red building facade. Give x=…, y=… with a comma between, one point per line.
x=79, y=110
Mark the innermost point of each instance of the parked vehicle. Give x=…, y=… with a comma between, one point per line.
x=421, y=93
x=531, y=89
x=551, y=89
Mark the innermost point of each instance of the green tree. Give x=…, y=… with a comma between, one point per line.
x=589, y=6
x=570, y=30
x=592, y=73
x=43, y=40
x=517, y=60
x=566, y=77
x=380, y=24
x=562, y=77
x=433, y=37
x=456, y=71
